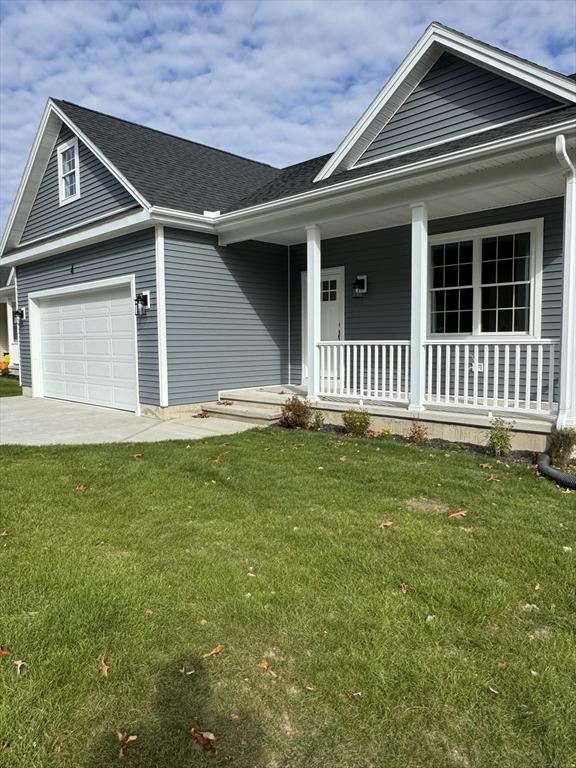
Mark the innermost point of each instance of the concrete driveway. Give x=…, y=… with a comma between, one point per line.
x=29, y=421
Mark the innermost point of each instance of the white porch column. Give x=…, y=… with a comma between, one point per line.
x=567, y=398
x=419, y=297
x=314, y=267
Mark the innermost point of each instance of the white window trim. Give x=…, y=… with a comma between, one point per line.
x=536, y=229
x=71, y=143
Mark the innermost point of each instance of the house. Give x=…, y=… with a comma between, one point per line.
x=425, y=268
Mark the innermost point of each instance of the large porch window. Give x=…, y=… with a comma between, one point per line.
x=486, y=281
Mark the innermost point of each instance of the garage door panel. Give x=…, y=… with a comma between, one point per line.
x=88, y=348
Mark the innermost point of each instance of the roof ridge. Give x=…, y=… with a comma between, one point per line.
x=165, y=133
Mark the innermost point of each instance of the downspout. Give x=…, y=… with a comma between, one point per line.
x=567, y=397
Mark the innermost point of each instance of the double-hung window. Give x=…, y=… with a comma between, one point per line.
x=487, y=281
x=68, y=171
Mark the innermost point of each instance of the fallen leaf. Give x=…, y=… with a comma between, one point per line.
x=343, y=458
x=81, y=488
x=420, y=463
x=530, y=607
x=202, y=621
x=137, y=455
x=20, y=665
x=267, y=668
x=219, y=458
x=404, y=587
x=493, y=479
x=533, y=673
x=4, y=650
x=485, y=466
x=103, y=666
x=201, y=415
x=311, y=688
x=567, y=549
x=4, y=745
x=430, y=618
x=493, y=690
x=185, y=671
x=3, y=534
x=460, y=512
x=149, y=612
x=206, y=739
x=214, y=652
x=234, y=716
x=538, y=587
x=386, y=523
x=124, y=740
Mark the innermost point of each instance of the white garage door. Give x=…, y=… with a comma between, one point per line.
x=88, y=348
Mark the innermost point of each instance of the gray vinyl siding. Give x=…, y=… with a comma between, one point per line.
x=226, y=315
x=130, y=255
x=100, y=194
x=384, y=256
x=454, y=98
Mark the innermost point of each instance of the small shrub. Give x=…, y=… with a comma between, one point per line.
x=356, y=423
x=317, y=421
x=500, y=440
x=562, y=443
x=418, y=433
x=296, y=413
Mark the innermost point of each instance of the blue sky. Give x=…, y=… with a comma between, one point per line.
x=276, y=80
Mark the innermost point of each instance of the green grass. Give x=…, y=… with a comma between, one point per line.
x=274, y=542
x=9, y=387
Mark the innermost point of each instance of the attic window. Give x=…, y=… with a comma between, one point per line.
x=68, y=171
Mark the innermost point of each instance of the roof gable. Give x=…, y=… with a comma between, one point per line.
x=436, y=41
x=101, y=194
x=455, y=98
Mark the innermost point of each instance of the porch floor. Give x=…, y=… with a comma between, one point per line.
x=468, y=416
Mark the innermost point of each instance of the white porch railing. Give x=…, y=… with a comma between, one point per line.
x=365, y=370
x=497, y=375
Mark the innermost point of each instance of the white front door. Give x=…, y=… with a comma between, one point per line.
x=332, y=310
x=88, y=348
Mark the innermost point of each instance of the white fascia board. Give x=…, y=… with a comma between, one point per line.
x=103, y=159
x=524, y=72
x=81, y=238
x=394, y=173
x=196, y=221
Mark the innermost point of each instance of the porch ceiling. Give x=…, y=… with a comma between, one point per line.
x=503, y=179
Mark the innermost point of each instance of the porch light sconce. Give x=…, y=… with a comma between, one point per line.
x=19, y=314
x=360, y=286
x=142, y=303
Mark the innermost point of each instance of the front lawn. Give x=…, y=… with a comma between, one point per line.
x=433, y=642
x=9, y=387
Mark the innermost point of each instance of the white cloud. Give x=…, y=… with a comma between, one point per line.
x=277, y=80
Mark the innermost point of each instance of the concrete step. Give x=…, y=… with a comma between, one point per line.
x=244, y=411
x=258, y=396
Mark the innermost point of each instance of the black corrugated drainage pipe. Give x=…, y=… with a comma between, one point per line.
x=565, y=479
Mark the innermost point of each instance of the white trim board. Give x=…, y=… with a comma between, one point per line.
x=34, y=329
x=161, y=316
x=435, y=40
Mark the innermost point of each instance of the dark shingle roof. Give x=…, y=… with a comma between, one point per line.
x=300, y=178
x=167, y=170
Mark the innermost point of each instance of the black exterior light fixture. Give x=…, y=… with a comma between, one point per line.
x=142, y=303
x=19, y=315
x=360, y=286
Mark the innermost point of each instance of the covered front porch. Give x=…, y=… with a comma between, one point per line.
x=449, y=299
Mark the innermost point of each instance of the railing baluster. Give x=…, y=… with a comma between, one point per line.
x=506, y=375
x=391, y=373
x=438, y=373
x=539, y=377
x=447, y=375
x=376, y=370
x=368, y=370
x=399, y=373
x=528, y=388
x=475, y=376
x=407, y=372
x=456, y=374
x=361, y=371
x=517, y=376
x=466, y=373
x=551, y=366
x=355, y=371
x=496, y=382
x=485, y=373
x=384, y=354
